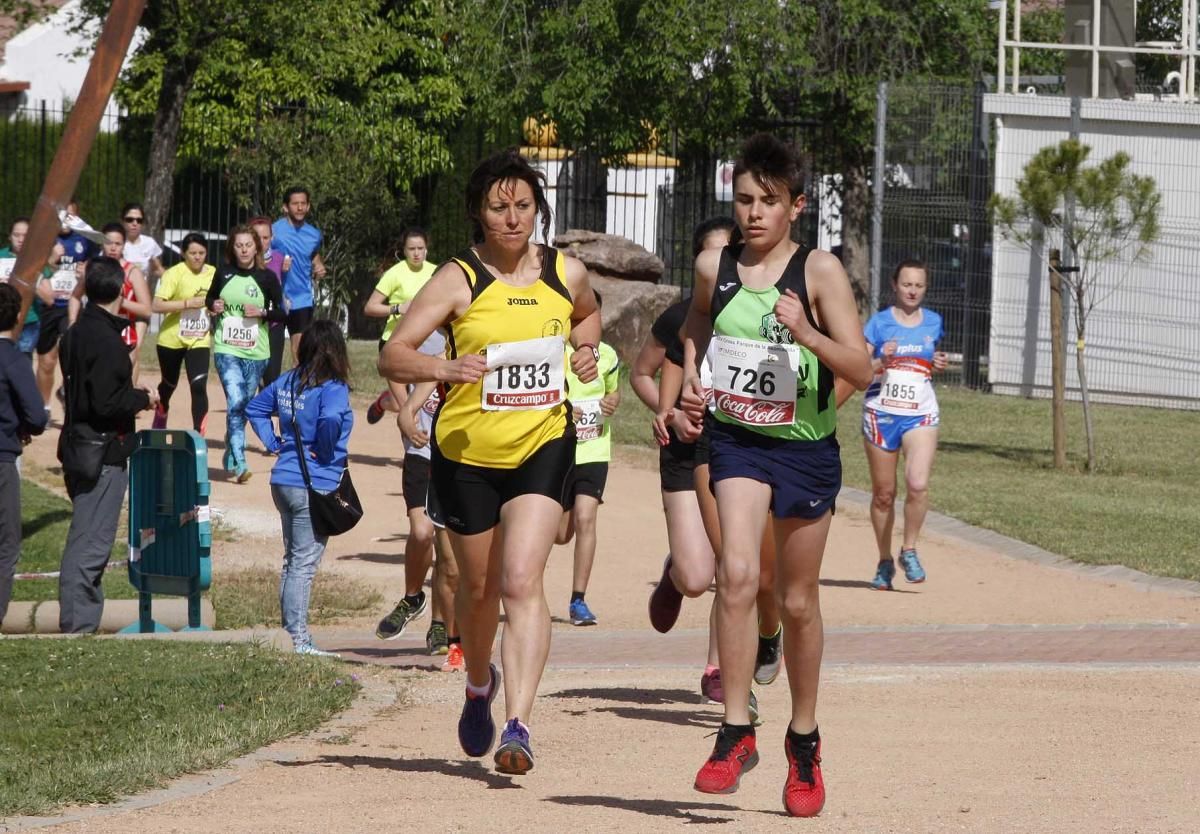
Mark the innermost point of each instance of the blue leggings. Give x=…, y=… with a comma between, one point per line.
x=239, y=378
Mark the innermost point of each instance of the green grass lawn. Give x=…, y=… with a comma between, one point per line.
x=995, y=469
x=45, y=519
x=90, y=721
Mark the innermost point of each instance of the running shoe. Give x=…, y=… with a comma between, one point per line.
x=514, y=754
x=770, y=658
x=711, y=688
x=312, y=651
x=160, y=417
x=581, y=615
x=244, y=475
x=375, y=410
x=753, y=708
x=454, y=659
x=735, y=753
x=913, y=572
x=665, y=602
x=476, y=729
x=804, y=790
x=885, y=572
x=393, y=625
x=436, y=640
x=203, y=426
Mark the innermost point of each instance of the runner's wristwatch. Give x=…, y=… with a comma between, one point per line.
x=595, y=350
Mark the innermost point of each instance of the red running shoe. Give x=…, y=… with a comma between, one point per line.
x=376, y=409
x=160, y=417
x=734, y=754
x=804, y=790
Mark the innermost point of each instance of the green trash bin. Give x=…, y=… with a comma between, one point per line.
x=170, y=531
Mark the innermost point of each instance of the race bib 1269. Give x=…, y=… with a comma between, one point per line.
x=754, y=382
x=524, y=376
x=193, y=324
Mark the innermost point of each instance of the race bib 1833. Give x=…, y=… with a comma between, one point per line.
x=754, y=382
x=525, y=376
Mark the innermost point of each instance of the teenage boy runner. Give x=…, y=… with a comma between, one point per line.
x=592, y=404
x=783, y=323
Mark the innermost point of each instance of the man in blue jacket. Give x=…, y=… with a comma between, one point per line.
x=21, y=417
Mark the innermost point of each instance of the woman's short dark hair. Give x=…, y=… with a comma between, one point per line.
x=189, y=239
x=773, y=164
x=231, y=255
x=103, y=280
x=322, y=355
x=706, y=228
x=910, y=263
x=128, y=207
x=114, y=227
x=499, y=167
x=10, y=306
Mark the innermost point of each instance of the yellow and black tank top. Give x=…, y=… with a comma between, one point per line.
x=500, y=313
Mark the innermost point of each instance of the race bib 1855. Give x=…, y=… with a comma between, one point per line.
x=524, y=376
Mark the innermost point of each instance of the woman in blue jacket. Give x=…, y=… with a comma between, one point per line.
x=316, y=395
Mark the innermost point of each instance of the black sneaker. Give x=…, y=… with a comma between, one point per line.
x=436, y=639
x=393, y=625
x=770, y=658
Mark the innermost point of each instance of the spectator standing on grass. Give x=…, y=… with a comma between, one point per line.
x=27, y=341
x=21, y=416
x=101, y=404
x=276, y=263
x=315, y=398
x=301, y=242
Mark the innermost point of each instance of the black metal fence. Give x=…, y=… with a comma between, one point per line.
x=937, y=178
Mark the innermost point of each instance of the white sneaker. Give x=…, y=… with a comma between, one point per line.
x=313, y=651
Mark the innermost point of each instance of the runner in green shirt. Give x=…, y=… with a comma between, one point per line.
x=243, y=298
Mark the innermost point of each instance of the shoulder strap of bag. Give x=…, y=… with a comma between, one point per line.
x=296, y=434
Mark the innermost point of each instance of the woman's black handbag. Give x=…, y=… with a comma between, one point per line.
x=333, y=513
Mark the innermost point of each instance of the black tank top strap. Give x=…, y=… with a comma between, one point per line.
x=550, y=261
x=728, y=280
x=479, y=277
x=793, y=279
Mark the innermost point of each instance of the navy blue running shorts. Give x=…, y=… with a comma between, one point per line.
x=804, y=475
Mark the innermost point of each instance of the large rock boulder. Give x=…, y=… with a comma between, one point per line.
x=611, y=255
x=629, y=310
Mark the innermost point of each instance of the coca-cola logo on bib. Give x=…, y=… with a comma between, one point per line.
x=756, y=412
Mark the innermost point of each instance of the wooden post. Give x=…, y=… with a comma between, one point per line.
x=1058, y=362
x=76, y=144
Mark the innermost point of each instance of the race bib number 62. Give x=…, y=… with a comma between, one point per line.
x=755, y=382
x=524, y=376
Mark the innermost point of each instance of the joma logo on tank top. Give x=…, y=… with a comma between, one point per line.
x=522, y=302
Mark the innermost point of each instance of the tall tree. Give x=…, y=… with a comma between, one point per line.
x=1106, y=216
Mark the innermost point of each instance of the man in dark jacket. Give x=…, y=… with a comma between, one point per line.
x=101, y=406
x=21, y=416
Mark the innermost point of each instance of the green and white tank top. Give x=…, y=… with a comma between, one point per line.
x=762, y=380
x=236, y=333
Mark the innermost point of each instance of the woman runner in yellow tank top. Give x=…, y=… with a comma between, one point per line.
x=503, y=442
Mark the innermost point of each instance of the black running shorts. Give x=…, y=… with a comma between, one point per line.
x=471, y=496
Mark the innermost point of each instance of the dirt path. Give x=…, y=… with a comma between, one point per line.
x=1082, y=724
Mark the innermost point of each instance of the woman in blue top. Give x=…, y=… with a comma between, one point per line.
x=900, y=411
x=316, y=395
